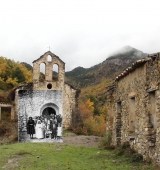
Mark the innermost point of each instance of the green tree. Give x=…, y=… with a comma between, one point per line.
x=17, y=73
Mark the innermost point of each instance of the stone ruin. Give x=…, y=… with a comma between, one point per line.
x=133, y=102
x=53, y=85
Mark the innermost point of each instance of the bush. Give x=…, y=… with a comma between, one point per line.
x=4, y=128
x=91, y=127
x=9, y=131
x=79, y=131
x=130, y=153
x=106, y=141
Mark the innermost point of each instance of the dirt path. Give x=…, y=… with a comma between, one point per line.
x=81, y=140
x=68, y=139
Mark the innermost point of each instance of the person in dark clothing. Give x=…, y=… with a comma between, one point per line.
x=53, y=127
x=30, y=127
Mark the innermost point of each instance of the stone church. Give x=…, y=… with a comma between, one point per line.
x=133, y=103
x=50, y=94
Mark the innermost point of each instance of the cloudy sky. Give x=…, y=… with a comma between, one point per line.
x=81, y=32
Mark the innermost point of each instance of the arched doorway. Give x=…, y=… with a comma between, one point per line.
x=48, y=109
x=47, y=112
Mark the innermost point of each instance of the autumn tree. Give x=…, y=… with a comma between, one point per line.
x=12, y=73
x=91, y=124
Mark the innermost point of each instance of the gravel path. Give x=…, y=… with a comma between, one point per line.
x=81, y=140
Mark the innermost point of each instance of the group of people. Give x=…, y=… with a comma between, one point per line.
x=45, y=127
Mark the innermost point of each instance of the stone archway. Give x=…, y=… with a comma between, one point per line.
x=49, y=108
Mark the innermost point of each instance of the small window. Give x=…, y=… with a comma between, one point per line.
x=5, y=113
x=119, y=107
x=49, y=58
x=42, y=72
x=132, y=119
x=55, y=72
x=118, y=123
x=153, y=117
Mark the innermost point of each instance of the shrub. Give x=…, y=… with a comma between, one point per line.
x=4, y=128
x=130, y=153
x=8, y=131
x=106, y=141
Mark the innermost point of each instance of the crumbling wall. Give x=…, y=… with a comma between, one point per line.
x=135, y=104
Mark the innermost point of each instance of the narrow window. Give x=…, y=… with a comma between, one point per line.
x=153, y=118
x=49, y=58
x=119, y=107
x=132, y=114
x=118, y=123
x=55, y=72
x=42, y=72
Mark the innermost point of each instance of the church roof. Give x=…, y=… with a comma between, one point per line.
x=48, y=53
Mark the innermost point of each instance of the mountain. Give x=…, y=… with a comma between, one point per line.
x=108, y=69
x=28, y=66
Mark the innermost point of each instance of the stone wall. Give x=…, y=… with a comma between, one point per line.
x=57, y=84
x=134, y=108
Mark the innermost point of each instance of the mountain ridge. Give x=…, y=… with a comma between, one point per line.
x=109, y=68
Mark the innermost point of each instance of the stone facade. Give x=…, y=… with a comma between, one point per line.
x=50, y=83
x=133, y=102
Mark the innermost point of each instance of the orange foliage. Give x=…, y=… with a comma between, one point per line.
x=92, y=125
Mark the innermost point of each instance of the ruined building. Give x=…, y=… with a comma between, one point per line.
x=49, y=92
x=134, y=107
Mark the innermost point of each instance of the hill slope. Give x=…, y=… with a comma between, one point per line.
x=112, y=66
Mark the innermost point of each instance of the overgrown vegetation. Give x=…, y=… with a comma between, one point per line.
x=8, y=131
x=92, y=108
x=106, y=141
x=123, y=150
x=126, y=150
x=93, y=121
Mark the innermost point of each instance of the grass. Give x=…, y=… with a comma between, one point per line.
x=50, y=156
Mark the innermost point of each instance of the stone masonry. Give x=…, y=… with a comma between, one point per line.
x=133, y=102
x=69, y=97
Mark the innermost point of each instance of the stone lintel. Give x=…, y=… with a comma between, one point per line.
x=131, y=137
x=152, y=89
x=132, y=94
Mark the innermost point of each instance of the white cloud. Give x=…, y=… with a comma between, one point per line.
x=82, y=32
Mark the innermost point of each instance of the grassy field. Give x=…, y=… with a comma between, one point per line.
x=47, y=156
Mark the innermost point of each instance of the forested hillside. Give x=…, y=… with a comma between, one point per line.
x=11, y=75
